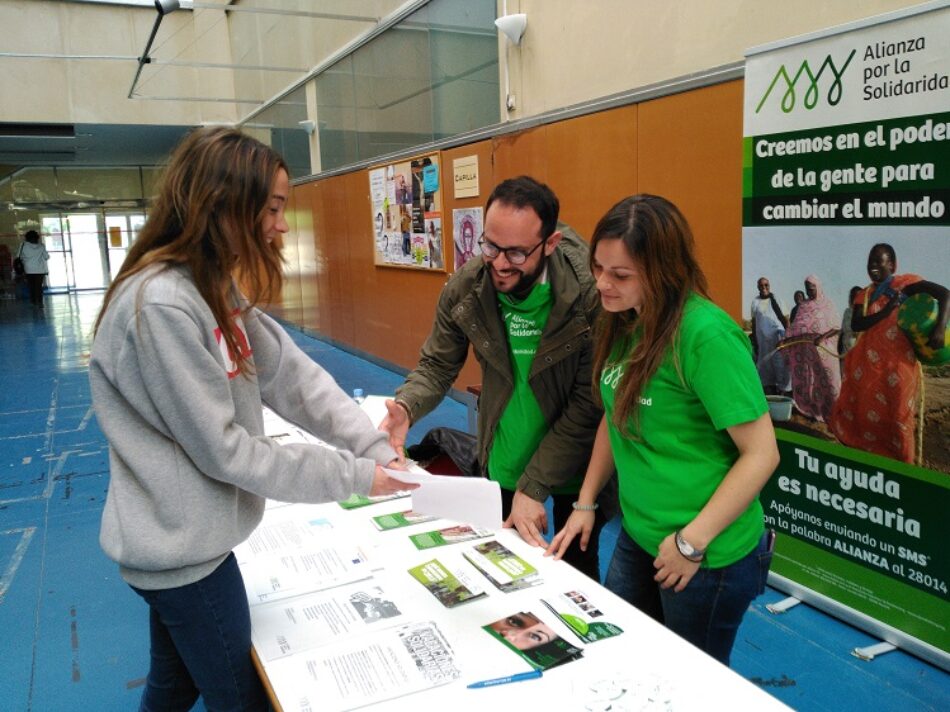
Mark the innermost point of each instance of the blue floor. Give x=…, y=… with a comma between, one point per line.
x=74, y=637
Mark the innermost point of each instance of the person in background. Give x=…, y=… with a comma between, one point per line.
x=846, y=337
x=526, y=308
x=34, y=257
x=768, y=329
x=799, y=297
x=181, y=364
x=686, y=425
x=877, y=408
x=813, y=363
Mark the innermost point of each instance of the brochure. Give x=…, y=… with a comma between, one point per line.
x=286, y=557
x=450, y=587
x=533, y=640
x=364, y=669
x=314, y=619
x=397, y=520
x=355, y=501
x=449, y=535
x=505, y=569
x=578, y=613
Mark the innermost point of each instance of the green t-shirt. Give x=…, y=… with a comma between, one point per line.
x=522, y=425
x=684, y=452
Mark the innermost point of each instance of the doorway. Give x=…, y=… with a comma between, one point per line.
x=87, y=248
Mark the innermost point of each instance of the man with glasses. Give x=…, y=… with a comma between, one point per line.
x=526, y=308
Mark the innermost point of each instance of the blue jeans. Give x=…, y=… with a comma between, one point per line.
x=709, y=610
x=201, y=644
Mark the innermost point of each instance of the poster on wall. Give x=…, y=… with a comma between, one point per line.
x=467, y=228
x=846, y=264
x=406, y=209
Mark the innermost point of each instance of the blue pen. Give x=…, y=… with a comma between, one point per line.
x=534, y=674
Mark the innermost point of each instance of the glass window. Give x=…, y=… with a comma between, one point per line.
x=79, y=184
x=432, y=76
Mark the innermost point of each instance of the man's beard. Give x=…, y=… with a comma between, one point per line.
x=526, y=281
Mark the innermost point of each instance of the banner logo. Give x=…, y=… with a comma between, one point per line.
x=811, y=96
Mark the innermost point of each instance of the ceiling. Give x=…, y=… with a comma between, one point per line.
x=86, y=144
x=180, y=49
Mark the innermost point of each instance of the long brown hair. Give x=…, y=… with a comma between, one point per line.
x=208, y=216
x=659, y=240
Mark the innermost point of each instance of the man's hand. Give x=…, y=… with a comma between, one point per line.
x=383, y=484
x=396, y=423
x=529, y=518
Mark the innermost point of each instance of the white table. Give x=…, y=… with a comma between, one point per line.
x=647, y=660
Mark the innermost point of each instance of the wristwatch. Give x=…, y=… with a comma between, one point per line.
x=688, y=550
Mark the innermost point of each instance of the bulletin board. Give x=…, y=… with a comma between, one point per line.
x=406, y=210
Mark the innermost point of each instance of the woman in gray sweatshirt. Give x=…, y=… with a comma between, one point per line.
x=181, y=364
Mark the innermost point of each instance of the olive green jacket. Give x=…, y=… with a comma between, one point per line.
x=560, y=376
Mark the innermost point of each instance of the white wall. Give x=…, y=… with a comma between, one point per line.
x=577, y=50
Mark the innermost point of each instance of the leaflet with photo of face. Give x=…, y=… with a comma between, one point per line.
x=534, y=640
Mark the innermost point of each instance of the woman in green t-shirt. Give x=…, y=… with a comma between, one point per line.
x=686, y=427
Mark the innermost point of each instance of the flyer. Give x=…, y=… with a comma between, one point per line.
x=451, y=588
x=355, y=501
x=505, y=569
x=365, y=669
x=533, y=640
x=314, y=619
x=578, y=613
x=449, y=535
x=286, y=557
x=397, y=520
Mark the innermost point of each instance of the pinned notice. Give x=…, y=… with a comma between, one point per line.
x=465, y=174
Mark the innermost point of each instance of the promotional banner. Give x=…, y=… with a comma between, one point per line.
x=846, y=262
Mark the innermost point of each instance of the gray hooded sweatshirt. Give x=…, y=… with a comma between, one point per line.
x=190, y=464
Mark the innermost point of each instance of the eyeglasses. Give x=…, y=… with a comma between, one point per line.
x=515, y=255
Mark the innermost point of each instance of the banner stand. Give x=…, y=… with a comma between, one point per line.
x=872, y=651
x=782, y=606
x=863, y=622
x=845, y=271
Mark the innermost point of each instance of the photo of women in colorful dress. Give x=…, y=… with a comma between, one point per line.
x=881, y=394
x=810, y=346
x=866, y=343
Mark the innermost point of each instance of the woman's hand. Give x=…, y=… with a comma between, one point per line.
x=383, y=484
x=672, y=568
x=580, y=522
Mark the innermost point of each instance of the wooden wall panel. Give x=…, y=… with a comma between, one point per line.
x=590, y=162
x=306, y=253
x=333, y=246
x=392, y=307
x=690, y=150
x=316, y=312
x=291, y=301
x=471, y=373
x=522, y=153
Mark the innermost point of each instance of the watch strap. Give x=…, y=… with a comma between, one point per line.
x=687, y=550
